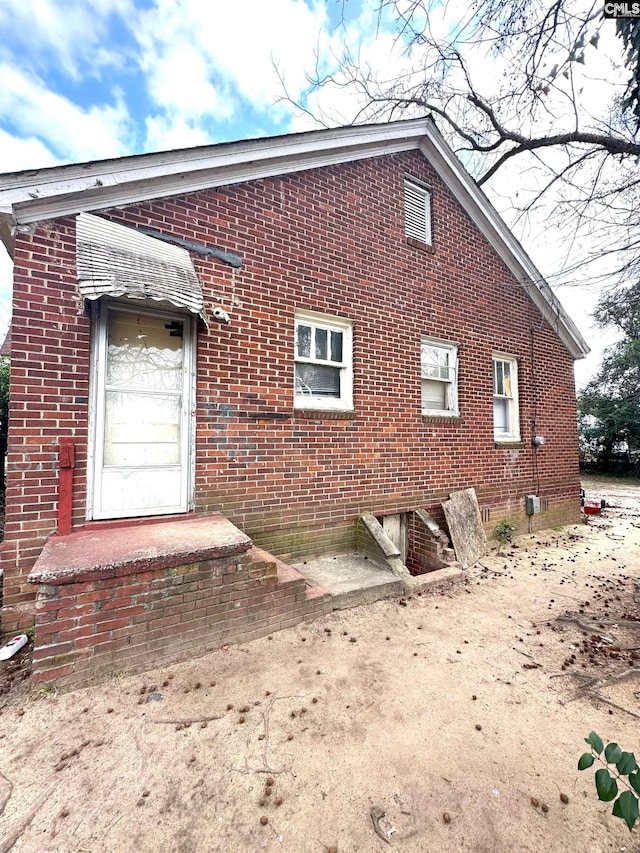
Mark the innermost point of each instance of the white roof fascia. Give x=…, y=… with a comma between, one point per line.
x=62, y=190
x=491, y=225
x=117, y=195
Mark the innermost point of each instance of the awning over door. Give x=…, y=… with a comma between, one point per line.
x=113, y=260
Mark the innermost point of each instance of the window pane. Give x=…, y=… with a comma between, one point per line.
x=500, y=415
x=498, y=384
x=436, y=363
x=434, y=395
x=507, y=378
x=336, y=346
x=141, y=429
x=144, y=352
x=317, y=380
x=304, y=341
x=435, y=355
x=321, y=344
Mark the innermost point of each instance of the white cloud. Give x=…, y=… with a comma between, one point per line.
x=165, y=133
x=178, y=81
x=579, y=303
x=284, y=32
x=69, y=32
x=20, y=153
x=373, y=47
x=73, y=132
x=205, y=63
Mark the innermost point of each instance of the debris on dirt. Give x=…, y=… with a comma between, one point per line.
x=14, y=833
x=382, y=827
x=154, y=697
x=13, y=646
x=15, y=670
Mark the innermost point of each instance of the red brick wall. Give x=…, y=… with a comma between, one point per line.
x=103, y=624
x=426, y=552
x=329, y=240
x=49, y=397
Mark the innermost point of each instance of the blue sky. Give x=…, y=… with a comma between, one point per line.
x=88, y=79
x=93, y=79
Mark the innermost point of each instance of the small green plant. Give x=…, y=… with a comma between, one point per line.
x=616, y=765
x=49, y=691
x=504, y=532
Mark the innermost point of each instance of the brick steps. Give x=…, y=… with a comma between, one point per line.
x=115, y=601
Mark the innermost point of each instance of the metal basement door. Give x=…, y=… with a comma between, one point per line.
x=142, y=414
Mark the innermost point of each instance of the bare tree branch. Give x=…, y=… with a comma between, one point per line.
x=536, y=112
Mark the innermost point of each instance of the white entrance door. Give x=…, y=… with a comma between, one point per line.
x=142, y=414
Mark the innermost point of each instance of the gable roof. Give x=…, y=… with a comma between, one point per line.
x=36, y=195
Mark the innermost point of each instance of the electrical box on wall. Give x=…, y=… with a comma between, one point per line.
x=532, y=504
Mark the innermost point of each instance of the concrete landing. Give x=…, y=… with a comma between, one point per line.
x=352, y=579
x=106, y=550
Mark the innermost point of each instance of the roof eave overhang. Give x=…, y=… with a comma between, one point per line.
x=6, y=231
x=132, y=180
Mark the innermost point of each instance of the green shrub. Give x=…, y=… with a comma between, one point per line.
x=504, y=532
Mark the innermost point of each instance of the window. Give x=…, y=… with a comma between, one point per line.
x=506, y=426
x=439, y=371
x=323, y=368
x=417, y=211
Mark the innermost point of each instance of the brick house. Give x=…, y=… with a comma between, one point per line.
x=262, y=340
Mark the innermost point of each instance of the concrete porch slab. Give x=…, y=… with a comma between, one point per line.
x=352, y=579
x=109, y=550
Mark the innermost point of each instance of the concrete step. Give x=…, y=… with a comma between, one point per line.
x=439, y=577
x=352, y=579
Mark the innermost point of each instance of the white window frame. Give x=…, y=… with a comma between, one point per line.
x=511, y=396
x=417, y=211
x=451, y=381
x=330, y=324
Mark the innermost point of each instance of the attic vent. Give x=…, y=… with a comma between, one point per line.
x=417, y=212
x=113, y=260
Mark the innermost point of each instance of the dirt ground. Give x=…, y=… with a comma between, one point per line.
x=460, y=714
